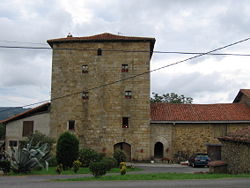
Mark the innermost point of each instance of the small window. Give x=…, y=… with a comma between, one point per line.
x=99, y=52
x=85, y=69
x=28, y=127
x=85, y=95
x=13, y=143
x=71, y=125
x=124, y=68
x=128, y=94
x=125, y=122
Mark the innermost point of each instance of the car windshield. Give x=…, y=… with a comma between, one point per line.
x=204, y=157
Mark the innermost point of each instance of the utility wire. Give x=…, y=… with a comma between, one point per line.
x=137, y=51
x=14, y=41
x=147, y=72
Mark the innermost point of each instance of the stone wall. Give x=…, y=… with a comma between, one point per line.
x=161, y=133
x=192, y=138
x=99, y=118
x=236, y=155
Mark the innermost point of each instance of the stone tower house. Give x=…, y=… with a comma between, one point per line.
x=96, y=94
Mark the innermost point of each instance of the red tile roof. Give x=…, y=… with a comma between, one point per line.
x=101, y=37
x=41, y=108
x=199, y=112
x=241, y=135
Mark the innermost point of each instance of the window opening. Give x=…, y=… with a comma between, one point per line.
x=85, y=95
x=124, y=68
x=28, y=127
x=13, y=143
x=125, y=122
x=128, y=94
x=84, y=68
x=71, y=125
x=99, y=51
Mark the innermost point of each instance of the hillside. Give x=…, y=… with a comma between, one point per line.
x=6, y=112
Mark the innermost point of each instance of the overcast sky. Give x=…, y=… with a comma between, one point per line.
x=177, y=25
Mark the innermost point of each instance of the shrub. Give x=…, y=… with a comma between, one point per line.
x=37, y=139
x=109, y=163
x=52, y=161
x=123, y=168
x=120, y=156
x=97, y=168
x=76, y=166
x=67, y=149
x=59, y=168
x=86, y=156
x=24, y=159
x=5, y=166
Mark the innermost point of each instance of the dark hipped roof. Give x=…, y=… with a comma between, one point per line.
x=104, y=37
x=241, y=135
x=242, y=92
x=199, y=112
x=38, y=109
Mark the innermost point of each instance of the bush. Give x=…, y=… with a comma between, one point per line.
x=86, y=156
x=123, y=168
x=59, y=168
x=120, y=156
x=38, y=138
x=52, y=161
x=67, y=149
x=97, y=168
x=5, y=166
x=109, y=163
x=76, y=166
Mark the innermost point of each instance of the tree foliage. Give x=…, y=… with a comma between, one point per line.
x=86, y=156
x=38, y=138
x=67, y=149
x=171, y=98
x=2, y=131
x=120, y=156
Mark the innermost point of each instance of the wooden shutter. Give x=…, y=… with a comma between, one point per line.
x=28, y=127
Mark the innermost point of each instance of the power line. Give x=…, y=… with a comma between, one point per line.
x=127, y=51
x=14, y=41
x=147, y=72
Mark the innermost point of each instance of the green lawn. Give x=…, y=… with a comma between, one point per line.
x=158, y=176
x=51, y=171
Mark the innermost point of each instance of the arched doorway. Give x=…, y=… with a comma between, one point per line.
x=124, y=147
x=158, y=150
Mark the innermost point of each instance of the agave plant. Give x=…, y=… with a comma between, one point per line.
x=26, y=158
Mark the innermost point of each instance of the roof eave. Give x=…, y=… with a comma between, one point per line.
x=27, y=113
x=197, y=122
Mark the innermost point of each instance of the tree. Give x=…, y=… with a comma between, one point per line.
x=2, y=131
x=67, y=149
x=171, y=98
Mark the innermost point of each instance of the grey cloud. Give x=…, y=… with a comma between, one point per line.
x=196, y=85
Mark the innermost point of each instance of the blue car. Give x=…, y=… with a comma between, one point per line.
x=199, y=159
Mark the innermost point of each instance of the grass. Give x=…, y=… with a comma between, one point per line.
x=51, y=171
x=158, y=176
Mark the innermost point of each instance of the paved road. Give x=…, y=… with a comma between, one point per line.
x=45, y=181
x=174, y=168
x=35, y=183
